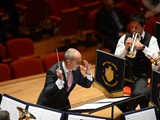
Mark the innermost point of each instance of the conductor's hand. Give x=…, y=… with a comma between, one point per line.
x=86, y=67
x=59, y=73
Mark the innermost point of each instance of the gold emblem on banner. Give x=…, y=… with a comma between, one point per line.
x=110, y=78
x=109, y=73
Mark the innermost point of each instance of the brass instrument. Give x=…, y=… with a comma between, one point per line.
x=156, y=60
x=24, y=114
x=132, y=52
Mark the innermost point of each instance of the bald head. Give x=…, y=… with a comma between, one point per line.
x=72, y=59
x=72, y=53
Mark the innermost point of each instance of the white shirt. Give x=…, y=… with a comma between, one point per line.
x=151, y=51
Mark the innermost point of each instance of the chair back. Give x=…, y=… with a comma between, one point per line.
x=20, y=47
x=26, y=67
x=62, y=9
x=5, y=72
x=51, y=59
x=55, y=7
x=2, y=51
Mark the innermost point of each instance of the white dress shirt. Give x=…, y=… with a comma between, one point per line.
x=151, y=51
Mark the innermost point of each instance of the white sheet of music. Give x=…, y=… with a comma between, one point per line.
x=78, y=117
x=44, y=114
x=90, y=106
x=142, y=115
x=111, y=100
x=99, y=103
x=11, y=106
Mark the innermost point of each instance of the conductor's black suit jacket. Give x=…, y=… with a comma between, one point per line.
x=52, y=96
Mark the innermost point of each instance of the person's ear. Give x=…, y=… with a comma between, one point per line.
x=68, y=61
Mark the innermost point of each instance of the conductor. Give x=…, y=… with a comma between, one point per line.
x=62, y=77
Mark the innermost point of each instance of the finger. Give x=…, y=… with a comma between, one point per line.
x=83, y=67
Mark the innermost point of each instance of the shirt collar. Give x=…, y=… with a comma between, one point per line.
x=64, y=68
x=143, y=34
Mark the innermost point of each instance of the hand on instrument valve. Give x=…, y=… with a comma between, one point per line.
x=128, y=43
x=137, y=46
x=86, y=67
x=59, y=73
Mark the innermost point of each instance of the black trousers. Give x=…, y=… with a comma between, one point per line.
x=139, y=87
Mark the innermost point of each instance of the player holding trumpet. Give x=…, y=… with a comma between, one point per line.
x=138, y=47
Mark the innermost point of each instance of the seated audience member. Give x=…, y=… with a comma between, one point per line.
x=62, y=77
x=147, y=48
x=4, y=115
x=9, y=23
x=111, y=23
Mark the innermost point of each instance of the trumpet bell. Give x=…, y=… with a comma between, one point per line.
x=24, y=114
x=131, y=54
x=156, y=61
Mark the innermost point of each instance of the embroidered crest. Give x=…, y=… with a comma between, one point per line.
x=109, y=73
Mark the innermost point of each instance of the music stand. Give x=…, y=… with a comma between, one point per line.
x=155, y=89
x=149, y=113
x=108, y=104
x=109, y=71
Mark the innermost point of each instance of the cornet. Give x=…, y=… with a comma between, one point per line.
x=132, y=52
x=24, y=114
x=156, y=61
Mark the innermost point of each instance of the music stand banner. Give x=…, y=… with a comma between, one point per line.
x=155, y=88
x=109, y=72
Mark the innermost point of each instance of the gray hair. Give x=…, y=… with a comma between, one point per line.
x=69, y=53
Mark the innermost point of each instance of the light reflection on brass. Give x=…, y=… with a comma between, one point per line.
x=132, y=52
x=24, y=114
x=156, y=60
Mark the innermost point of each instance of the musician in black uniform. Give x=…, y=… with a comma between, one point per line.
x=140, y=66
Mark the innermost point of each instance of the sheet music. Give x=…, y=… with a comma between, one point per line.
x=99, y=103
x=90, y=106
x=11, y=106
x=142, y=115
x=79, y=117
x=113, y=99
x=44, y=114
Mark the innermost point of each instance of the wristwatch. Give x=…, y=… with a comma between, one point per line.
x=143, y=47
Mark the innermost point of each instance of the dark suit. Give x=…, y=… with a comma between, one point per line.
x=106, y=26
x=52, y=96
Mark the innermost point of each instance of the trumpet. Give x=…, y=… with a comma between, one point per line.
x=156, y=61
x=24, y=114
x=132, y=52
